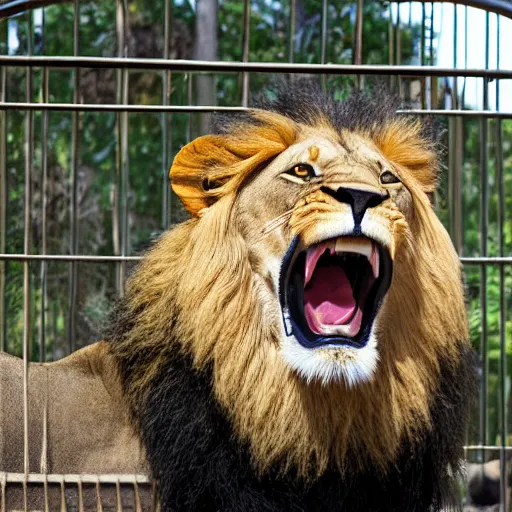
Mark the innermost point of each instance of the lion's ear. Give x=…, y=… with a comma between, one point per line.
x=403, y=143
x=215, y=165
x=194, y=173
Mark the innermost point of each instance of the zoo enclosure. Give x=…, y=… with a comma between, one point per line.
x=47, y=247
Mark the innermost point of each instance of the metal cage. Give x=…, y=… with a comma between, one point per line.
x=45, y=258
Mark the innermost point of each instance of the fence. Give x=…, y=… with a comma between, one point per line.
x=75, y=210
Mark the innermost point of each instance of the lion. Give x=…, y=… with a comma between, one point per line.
x=78, y=423
x=301, y=342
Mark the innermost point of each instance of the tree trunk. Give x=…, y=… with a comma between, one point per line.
x=206, y=49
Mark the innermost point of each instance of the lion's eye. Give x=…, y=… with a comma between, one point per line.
x=387, y=178
x=302, y=171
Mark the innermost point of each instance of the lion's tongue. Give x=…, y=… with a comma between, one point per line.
x=328, y=298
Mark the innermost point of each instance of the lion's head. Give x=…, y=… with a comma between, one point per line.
x=314, y=279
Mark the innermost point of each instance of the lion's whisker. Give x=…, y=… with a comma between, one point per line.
x=274, y=224
x=277, y=221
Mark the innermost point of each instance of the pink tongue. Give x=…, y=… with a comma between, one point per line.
x=328, y=297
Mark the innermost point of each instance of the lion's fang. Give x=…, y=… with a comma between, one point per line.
x=360, y=246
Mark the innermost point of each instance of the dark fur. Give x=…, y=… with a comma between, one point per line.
x=200, y=465
x=304, y=102
x=194, y=454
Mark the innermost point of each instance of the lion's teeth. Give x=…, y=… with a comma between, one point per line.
x=358, y=245
x=312, y=256
x=375, y=261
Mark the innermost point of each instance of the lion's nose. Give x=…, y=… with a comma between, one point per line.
x=359, y=200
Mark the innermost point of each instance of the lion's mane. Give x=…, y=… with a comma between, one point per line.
x=225, y=423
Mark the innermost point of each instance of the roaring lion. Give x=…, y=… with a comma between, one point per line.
x=301, y=342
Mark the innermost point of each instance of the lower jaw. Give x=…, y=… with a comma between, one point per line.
x=332, y=363
x=344, y=331
x=311, y=340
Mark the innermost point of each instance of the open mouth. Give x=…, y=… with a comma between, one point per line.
x=331, y=292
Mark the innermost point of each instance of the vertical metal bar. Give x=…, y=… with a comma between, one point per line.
x=63, y=507
x=431, y=43
x=455, y=163
x=3, y=491
x=44, y=204
x=3, y=205
x=3, y=202
x=119, y=500
x=245, y=51
x=29, y=152
x=124, y=178
x=73, y=249
x=99, y=505
x=433, y=80
x=80, y=495
x=122, y=144
x=291, y=44
x=503, y=309
x=323, y=43
x=463, y=98
x=484, y=222
x=206, y=21
x=456, y=157
x=455, y=88
x=116, y=187
x=484, y=194
x=422, y=56
x=189, y=102
x=398, y=36
x=54, y=315
x=391, y=38
x=398, y=49
x=138, y=504
x=46, y=494
x=422, y=47
x=358, y=36
x=166, y=135
x=504, y=492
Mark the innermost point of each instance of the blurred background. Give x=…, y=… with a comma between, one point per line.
x=91, y=180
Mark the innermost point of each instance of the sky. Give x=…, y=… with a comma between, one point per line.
x=472, y=50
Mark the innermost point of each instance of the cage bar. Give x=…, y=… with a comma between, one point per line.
x=45, y=86
x=166, y=128
x=246, y=41
x=73, y=211
x=3, y=205
x=253, y=67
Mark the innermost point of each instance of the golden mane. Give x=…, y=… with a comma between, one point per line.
x=198, y=280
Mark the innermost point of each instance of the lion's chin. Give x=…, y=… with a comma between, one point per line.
x=332, y=363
